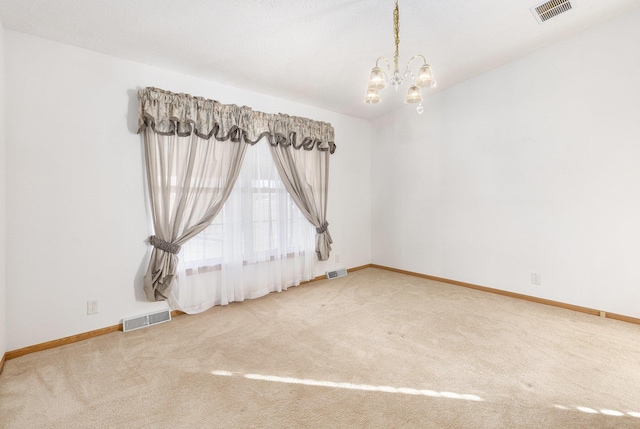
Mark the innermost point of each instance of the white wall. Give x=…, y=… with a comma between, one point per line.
x=76, y=220
x=3, y=283
x=532, y=167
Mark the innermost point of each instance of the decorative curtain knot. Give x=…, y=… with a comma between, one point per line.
x=159, y=243
x=323, y=228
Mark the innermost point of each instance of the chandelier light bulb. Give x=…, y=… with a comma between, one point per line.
x=420, y=109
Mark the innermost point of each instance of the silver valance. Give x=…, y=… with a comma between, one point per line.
x=169, y=113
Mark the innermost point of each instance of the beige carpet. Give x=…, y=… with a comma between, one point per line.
x=374, y=349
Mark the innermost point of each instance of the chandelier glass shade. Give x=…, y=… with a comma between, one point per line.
x=413, y=95
x=378, y=79
x=372, y=96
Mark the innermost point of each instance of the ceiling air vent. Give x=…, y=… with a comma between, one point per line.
x=549, y=9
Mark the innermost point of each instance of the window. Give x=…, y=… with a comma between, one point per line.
x=257, y=238
x=259, y=243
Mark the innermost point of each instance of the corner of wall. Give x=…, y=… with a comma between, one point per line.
x=3, y=283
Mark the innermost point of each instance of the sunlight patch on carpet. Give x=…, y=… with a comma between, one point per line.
x=351, y=386
x=587, y=410
x=606, y=412
x=611, y=413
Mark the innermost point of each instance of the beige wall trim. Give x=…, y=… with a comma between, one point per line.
x=622, y=318
x=516, y=295
x=175, y=313
x=62, y=341
x=98, y=332
x=361, y=267
x=349, y=270
x=72, y=339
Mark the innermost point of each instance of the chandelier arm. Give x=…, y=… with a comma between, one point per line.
x=408, y=70
x=424, y=60
x=386, y=61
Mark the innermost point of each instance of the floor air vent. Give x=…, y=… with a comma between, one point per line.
x=337, y=273
x=549, y=9
x=137, y=322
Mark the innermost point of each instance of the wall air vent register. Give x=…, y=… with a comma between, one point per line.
x=144, y=320
x=336, y=273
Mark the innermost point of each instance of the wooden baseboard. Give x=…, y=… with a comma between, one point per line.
x=4, y=358
x=572, y=307
x=72, y=339
x=175, y=313
x=349, y=270
x=98, y=332
x=62, y=341
x=361, y=267
x=622, y=318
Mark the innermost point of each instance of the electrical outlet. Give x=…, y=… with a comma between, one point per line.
x=92, y=307
x=536, y=279
x=337, y=259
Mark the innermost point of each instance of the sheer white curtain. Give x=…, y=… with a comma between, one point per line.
x=305, y=174
x=259, y=243
x=194, y=148
x=189, y=179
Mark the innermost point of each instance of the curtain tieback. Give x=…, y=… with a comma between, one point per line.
x=323, y=228
x=159, y=243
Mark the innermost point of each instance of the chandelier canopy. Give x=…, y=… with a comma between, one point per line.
x=378, y=79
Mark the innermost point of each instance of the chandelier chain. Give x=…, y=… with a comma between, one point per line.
x=396, y=31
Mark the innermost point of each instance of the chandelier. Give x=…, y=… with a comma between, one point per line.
x=378, y=79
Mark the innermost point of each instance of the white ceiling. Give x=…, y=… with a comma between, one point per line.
x=314, y=52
